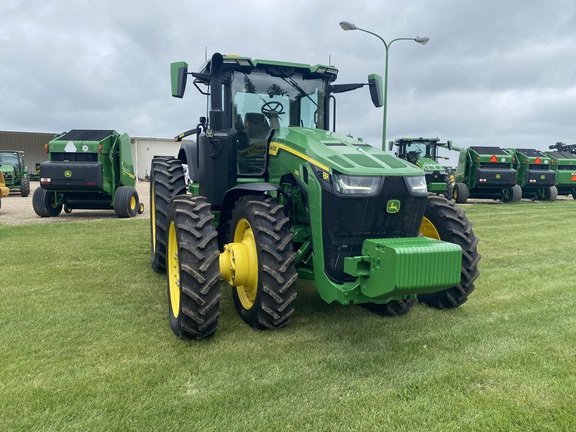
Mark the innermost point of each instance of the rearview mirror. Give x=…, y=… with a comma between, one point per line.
x=390, y=145
x=178, y=75
x=449, y=144
x=375, y=83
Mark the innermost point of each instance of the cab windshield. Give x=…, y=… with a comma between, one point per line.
x=263, y=102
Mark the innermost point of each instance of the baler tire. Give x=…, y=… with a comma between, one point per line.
x=393, y=308
x=42, y=203
x=167, y=179
x=193, y=281
x=25, y=187
x=551, y=194
x=452, y=226
x=511, y=195
x=461, y=193
x=269, y=304
x=126, y=202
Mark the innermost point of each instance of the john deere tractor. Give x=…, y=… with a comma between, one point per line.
x=15, y=171
x=88, y=169
x=276, y=196
x=423, y=152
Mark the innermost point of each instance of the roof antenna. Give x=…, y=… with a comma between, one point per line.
x=329, y=60
x=205, y=53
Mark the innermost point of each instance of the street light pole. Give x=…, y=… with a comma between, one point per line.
x=421, y=40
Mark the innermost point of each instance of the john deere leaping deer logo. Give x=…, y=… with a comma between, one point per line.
x=393, y=206
x=67, y=173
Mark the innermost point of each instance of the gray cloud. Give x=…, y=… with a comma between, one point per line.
x=494, y=72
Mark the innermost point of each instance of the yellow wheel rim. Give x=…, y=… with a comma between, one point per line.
x=427, y=229
x=132, y=203
x=153, y=218
x=245, y=264
x=173, y=268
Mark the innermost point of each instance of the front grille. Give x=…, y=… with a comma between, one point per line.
x=347, y=222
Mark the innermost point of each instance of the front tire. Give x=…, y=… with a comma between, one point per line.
x=265, y=299
x=551, y=194
x=167, y=180
x=446, y=222
x=193, y=282
x=25, y=187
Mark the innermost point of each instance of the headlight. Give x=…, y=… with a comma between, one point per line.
x=416, y=185
x=356, y=185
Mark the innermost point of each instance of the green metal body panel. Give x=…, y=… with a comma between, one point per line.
x=108, y=156
x=564, y=163
x=388, y=266
x=13, y=168
x=486, y=171
x=312, y=156
x=534, y=172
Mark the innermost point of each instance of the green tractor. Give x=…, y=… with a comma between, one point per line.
x=15, y=171
x=423, y=152
x=485, y=172
x=88, y=169
x=276, y=196
x=535, y=174
x=563, y=161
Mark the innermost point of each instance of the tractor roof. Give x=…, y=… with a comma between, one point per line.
x=247, y=64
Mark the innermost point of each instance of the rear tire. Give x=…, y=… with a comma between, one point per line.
x=193, y=282
x=448, y=223
x=461, y=193
x=167, y=180
x=25, y=187
x=268, y=302
x=126, y=202
x=43, y=203
x=393, y=308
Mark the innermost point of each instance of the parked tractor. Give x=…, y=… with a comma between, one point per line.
x=88, y=169
x=276, y=196
x=15, y=171
x=485, y=172
x=4, y=191
x=423, y=152
x=563, y=161
x=534, y=174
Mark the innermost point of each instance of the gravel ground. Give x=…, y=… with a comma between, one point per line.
x=17, y=210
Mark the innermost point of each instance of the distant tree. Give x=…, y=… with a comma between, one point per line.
x=276, y=90
x=249, y=86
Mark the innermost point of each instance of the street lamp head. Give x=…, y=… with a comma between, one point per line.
x=423, y=40
x=346, y=25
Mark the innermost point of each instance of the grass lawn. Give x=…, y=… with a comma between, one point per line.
x=85, y=342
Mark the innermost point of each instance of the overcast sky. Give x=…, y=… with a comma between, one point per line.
x=495, y=72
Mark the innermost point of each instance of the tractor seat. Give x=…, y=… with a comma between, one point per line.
x=257, y=127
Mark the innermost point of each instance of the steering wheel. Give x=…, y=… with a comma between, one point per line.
x=272, y=107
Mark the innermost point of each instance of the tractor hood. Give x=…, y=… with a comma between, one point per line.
x=7, y=169
x=346, y=155
x=429, y=165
